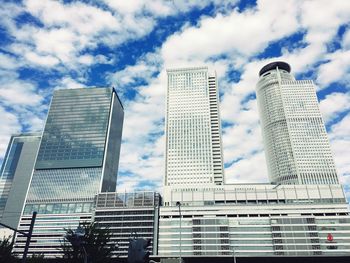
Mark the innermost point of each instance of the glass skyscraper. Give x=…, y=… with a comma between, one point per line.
x=79, y=151
x=15, y=175
x=78, y=158
x=193, y=132
x=295, y=139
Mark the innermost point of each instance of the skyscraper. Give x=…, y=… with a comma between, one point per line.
x=79, y=151
x=254, y=220
x=193, y=132
x=295, y=139
x=78, y=158
x=15, y=175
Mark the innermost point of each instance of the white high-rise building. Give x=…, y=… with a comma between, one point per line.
x=193, y=132
x=295, y=139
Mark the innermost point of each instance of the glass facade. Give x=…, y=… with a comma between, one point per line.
x=59, y=208
x=15, y=175
x=8, y=171
x=78, y=158
x=79, y=151
x=64, y=184
x=75, y=130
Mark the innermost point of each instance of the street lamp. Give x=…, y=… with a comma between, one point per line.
x=179, y=205
x=234, y=255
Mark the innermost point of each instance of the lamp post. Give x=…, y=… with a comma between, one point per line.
x=179, y=205
x=234, y=255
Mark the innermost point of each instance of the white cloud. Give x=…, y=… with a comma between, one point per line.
x=68, y=29
x=69, y=83
x=229, y=40
x=159, y=8
x=322, y=18
x=86, y=59
x=340, y=142
x=61, y=43
x=144, y=70
x=23, y=104
x=81, y=18
x=101, y=59
x=248, y=170
x=346, y=40
x=8, y=62
x=224, y=34
x=143, y=148
x=341, y=130
x=41, y=60
x=21, y=93
x=336, y=69
x=333, y=104
x=9, y=125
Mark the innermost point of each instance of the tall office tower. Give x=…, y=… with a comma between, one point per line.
x=15, y=175
x=295, y=139
x=78, y=157
x=193, y=132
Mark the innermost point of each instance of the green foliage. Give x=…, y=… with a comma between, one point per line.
x=96, y=241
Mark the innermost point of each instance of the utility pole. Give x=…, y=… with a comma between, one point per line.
x=28, y=235
x=234, y=255
x=179, y=205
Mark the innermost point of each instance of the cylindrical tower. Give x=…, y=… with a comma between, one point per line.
x=297, y=149
x=278, y=148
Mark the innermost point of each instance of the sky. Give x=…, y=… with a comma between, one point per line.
x=47, y=45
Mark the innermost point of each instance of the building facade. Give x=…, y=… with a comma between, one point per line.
x=254, y=220
x=15, y=175
x=128, y=215
x=295, y=139
x=193, y=130
x=78, y=158
x=303, y=212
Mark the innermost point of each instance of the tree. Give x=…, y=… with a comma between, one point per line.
x=96, y=241
x=37, y=258
x=6, y=245
x=138, y=252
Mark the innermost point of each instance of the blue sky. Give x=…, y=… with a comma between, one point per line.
x=47, y=45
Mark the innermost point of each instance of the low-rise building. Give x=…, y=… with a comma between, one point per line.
x=254, y=220
x=128, y=215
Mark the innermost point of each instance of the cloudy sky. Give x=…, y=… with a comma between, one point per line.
x=47, y=45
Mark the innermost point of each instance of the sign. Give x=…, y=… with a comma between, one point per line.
x=331, y=244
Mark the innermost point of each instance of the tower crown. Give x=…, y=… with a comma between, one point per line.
x=274, y=65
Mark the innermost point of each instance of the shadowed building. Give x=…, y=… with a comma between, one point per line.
x=15, y=175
